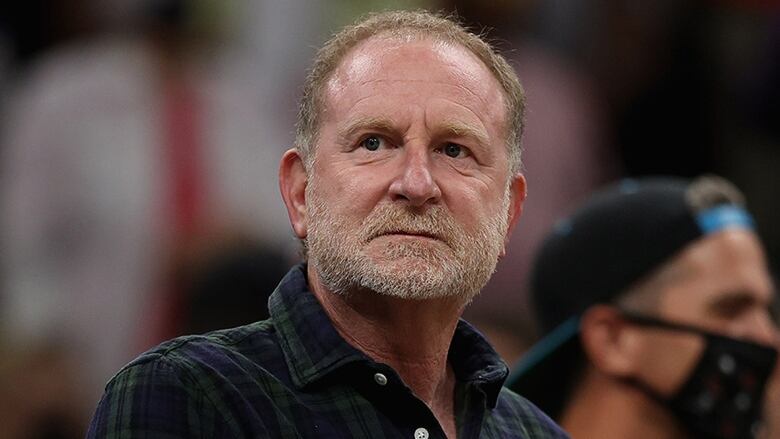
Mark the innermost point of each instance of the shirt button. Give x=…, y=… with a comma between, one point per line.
x=381, y=379
x=421, y=433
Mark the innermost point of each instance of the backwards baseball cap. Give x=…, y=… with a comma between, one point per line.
x=619, y=236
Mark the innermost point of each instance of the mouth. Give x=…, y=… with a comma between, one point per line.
x=410, y=234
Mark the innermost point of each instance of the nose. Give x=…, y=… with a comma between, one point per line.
x=765, y=331
x=415, y=183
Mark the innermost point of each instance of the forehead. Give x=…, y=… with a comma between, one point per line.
x=421, y=69
x=728, y=265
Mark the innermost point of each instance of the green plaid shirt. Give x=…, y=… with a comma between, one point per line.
x=293, y=376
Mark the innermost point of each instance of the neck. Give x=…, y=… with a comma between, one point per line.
x=411, y=336
x=622, y=411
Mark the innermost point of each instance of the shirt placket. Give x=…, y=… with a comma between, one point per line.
x=407, y=413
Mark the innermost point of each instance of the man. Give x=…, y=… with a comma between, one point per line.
x=655, y=298
x=404, y=185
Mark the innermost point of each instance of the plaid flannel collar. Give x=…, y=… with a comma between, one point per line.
x=313, y=349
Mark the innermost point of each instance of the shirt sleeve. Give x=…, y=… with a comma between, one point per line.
x=534, y=423
x=544, y=427
x=154, y=399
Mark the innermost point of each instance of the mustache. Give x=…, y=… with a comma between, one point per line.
x=435, y=222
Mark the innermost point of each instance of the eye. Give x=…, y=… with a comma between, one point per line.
x=453, y=150
x=372, y=143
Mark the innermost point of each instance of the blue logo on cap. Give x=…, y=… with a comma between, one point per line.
x=723, y=217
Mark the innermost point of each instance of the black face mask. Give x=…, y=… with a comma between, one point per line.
x=722, y=398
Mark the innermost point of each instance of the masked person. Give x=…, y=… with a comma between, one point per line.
x=654, y=298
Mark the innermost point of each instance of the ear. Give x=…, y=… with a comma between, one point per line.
x=609, y=342
x=292, y=183
x=517, y=193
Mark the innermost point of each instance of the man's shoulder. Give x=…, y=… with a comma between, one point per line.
x=195, y=384
x=254, y=344
x=522, y=414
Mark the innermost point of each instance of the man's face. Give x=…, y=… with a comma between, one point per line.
x=410, y=192
x=720, y=284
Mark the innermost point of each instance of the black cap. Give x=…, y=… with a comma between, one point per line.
x=620, y=235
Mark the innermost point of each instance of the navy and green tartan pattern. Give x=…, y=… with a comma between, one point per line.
x=293, y=376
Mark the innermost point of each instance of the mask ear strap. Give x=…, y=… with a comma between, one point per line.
x=654, y=322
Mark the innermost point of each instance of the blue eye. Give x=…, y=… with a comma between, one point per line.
x=453, y=150
x=371, y=143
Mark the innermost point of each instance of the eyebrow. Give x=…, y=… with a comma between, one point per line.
x=459, y=129
x=363, y=123
x=732, y=299
x=449, y=128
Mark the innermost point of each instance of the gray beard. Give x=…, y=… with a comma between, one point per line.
x=459, y=265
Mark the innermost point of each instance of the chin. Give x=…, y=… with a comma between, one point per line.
x=411, y=277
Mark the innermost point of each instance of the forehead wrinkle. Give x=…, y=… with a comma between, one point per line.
x=331, y=102
x=482, y=98
x=463, y=74
x=482, y=133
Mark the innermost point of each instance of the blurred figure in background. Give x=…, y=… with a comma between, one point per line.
x=39, y=397
x=655, y=300
x=125, y=160
x=690, y=87
x=32, y=27
x=228, y=285
x=565, y=137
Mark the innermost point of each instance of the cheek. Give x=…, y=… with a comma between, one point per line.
x=474, y=215
x=668, y=360
x=685, y=301
x=352, y=191
x=477, y=201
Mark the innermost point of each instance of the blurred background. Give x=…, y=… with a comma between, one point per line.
x=139, y=143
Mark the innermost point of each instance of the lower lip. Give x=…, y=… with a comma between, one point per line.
x=405, y=235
